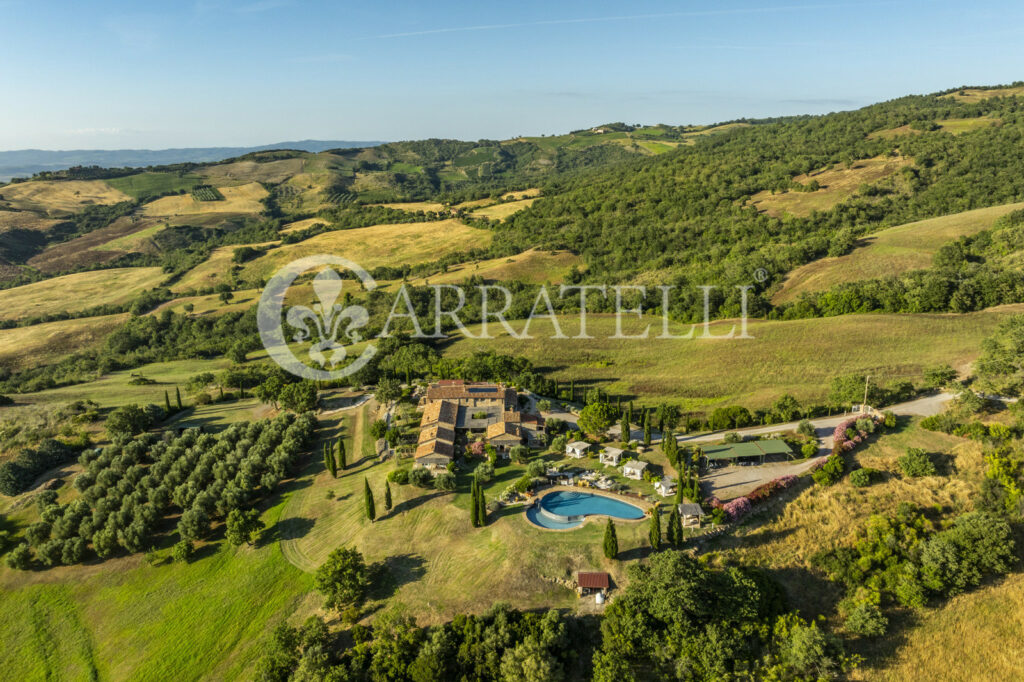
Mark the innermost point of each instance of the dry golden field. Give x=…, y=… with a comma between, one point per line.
x=41, y=344
x=240, y=199
x=79, y=291
x=60, y=196
x=503, y=211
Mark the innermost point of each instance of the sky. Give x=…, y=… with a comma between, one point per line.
x=138, y=74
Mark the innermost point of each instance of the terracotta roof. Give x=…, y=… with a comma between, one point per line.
x=441, y=412
x=464, y=391
x=437, y=432
x=502, y=429
x=592, y=580
x=435, y=447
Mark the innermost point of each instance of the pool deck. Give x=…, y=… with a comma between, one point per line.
x=638, y=502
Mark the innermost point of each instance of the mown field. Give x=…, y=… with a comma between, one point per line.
x=377, y=245
x=837, y=184
x=78, y=291
x=528, y=266
x=151, y=184
x=65, y=196
x=503, y=211
x=240, y=199
x=41, y=344
x=798, y=357
x=890, y=252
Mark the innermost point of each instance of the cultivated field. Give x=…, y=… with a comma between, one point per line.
x=300, y=225
x=240, y=199
x=890, y=252
x=956, y=126
x=502, y=211
x=95, y=247
x=213, y=271
x=377, y=245
x=60, y=196
x=975, y=94
x=71, y=293
x=837, y=184
x=147, y=184
x=244, y=172
x=529, y=266
x=416, y=206
x=23, y=220
x=529, y=193
x=797, y=357
x=41, y=344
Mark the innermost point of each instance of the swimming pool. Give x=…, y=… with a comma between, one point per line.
x=567, y=509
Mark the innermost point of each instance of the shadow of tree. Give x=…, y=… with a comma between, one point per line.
x=389, y=575
x=287, y=529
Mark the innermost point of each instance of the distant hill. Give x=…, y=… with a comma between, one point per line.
x=25, y=162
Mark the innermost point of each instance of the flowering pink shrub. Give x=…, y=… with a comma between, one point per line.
x=839, y=435
x=766, y=490
x=714, y=503
x=476, y=448
x=736, y=508
x=786, y=481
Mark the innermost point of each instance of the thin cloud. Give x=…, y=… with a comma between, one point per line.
x=625, y=17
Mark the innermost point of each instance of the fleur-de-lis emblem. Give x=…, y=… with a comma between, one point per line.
x=327, y=317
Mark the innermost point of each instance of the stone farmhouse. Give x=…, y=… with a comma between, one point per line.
x=456, y=412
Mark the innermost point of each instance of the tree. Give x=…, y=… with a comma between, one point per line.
x=329, y=462
x=624, y=428
x=611, y=541
x=806, y=429
x=129, y=420
x=445, y=481
x=481, y=506
x=242, y=526
x=786, y=408
x=182, y=551
x=387, y=496
x=20, y=557
x=299, y=397
x=341, y=455
x=654, y=535
x=1000, y=368
x=675, y=528
x=408, y=359
x=473, y=509
x=596, y=417
x=939, y=376
x=371, y=511
x=167, y=402
x=647, y=428
x=378, y=428
x=343, y=579
x=519, y=453
x=388, y=391
x=916, y=463
x=269, y=390
x=238, y=352
x=177, y=396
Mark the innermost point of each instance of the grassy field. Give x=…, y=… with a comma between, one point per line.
x=124, y=619
x=528, y=266
x=94, y=247
x=531, y=192
x=503, y=211
x=797, y=357
x=377, y=245
x=136, y=241
x=23, y=220
x=240, y=199
x=299, y=225
x=975, y=94
x=63, y=196
x=837, y=184
x=245, y=172
x=956, y=126
x=416, y=206
x=143, y=185
x=211, y=303
x=41, y=344
x=71, y=293
x=890, y=252
x=214, y=270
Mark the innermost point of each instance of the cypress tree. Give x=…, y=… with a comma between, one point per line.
x=655, y=532
x=680, y=487
x=341, y=455
x=387, y=496
x=177, y=393
x=629, y=412
x=474, y=508
x=647, y=429
x=624, y=425
x=167, y=402
x=572, y=390
x=670, y=448
x=611, y=541
x=675, y=528
x=481, y=506
x=221, y=388
x=371, y=511
x=332, y=466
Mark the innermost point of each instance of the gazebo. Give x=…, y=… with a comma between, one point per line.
x=691, y=514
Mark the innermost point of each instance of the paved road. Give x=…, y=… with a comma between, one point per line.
x=823, y=426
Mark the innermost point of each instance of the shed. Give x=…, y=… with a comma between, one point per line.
x=588, y=582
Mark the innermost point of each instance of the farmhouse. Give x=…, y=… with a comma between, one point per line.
x=577, y=449
x=455, y=411
x=634, y=469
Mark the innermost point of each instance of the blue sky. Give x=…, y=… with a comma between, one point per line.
x=135, y=74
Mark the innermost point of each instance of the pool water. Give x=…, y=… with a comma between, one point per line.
x=567, y=509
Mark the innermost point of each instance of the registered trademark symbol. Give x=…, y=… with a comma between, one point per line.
x=761, y=275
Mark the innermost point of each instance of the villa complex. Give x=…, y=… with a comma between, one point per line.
x=456, y=411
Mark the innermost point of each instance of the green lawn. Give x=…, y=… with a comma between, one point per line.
x=154, y=184
x=124, y=619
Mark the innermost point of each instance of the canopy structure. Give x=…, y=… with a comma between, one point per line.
x=753, y=449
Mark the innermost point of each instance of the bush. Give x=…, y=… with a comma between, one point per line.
x=861, y=478
x=732, y=437
x=863, y=617
x=484, y=471
x=830, y=471
x=444, y=481
x=420, y=477
x=944, y=422
x=20, y=557
x=399, y=476
x=519, y=453
x=17, y=475
x=916, y=463
x=182, y=551
x=809, y=449
x=806, y=428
